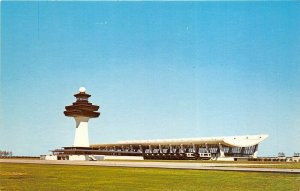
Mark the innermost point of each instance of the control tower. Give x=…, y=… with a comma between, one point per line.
x=82, y=111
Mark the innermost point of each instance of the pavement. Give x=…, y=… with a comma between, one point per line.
x=166, y=165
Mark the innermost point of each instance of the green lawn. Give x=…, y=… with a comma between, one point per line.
x=68, y=177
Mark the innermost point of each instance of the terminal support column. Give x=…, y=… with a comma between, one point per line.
x=255, y=151
x=221, y=150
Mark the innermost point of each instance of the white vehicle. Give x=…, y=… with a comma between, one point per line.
x=205, y=156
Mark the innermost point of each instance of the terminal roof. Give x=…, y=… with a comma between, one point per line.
x=235, y=141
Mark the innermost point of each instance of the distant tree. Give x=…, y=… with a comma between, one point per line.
x=5, y=153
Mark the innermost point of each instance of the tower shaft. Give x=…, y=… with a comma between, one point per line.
x=81, y=132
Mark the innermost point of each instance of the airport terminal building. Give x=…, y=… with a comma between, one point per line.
x=215, y=148
x=228, y=148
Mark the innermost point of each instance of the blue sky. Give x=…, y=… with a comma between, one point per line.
x=157, y=70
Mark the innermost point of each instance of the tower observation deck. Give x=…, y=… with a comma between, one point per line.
x=82, y=111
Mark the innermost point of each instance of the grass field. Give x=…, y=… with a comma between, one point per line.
x=67, y=177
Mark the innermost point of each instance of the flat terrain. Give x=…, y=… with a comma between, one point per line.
x=71, y=177
x=253, y=167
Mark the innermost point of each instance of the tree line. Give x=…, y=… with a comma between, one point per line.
x=5, y=153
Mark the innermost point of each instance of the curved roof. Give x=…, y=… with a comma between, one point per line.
x=234, y=141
